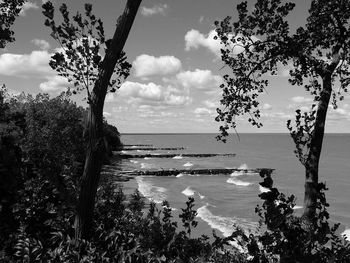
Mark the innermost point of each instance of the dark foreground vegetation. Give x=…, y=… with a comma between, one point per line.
x=48, y=209
x=42, y=147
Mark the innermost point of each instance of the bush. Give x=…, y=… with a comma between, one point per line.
x=285, y=237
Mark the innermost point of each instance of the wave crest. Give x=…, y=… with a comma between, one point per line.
x=153, y=193
x=237, y=182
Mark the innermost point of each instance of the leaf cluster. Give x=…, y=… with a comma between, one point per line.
x=260, y=41
x=9, y=10
x=302, y=133
x=285, y=237
x=83, y=46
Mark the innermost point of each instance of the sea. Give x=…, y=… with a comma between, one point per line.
x=224, y=201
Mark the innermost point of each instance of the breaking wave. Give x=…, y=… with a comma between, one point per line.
x=188, y=164
x=177, y=157
x=237, y=182
x=224, y=224
x=146, y=166
x=263, y=189
x=297, y=207
x=237, y=173
x=188, y=192
x=153, y=193
x=243, y=166
x=346, y=234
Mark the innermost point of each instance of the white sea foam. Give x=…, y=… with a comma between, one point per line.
x=263, y=189
x=146, y=165
x=177, y=157
x=224, y=224
x=153, y=193
x=243, y=166
x=133, y=161
x=237, y=182
x=188, y=164
x=139, y=151
x=297, y=207
x=180, y=175
x=123, y=151
x=188, y=191
x=147, y=158
x=346, y=234
x=237, y=173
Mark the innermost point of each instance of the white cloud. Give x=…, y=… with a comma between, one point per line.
x=278, y=115
x=210, y=104
x=156, y=9
x=194, y=39
x=54, y=84
x=110, y=97
x=146, y=65
x=203, y=111
x=35, y=64
x=177, y=100
x=42, y=44
x=153, y=94
x=301, y=99
x=148, y=91
x=199, y=79
x=266, y=106
x=27, y=6
x=107, y=114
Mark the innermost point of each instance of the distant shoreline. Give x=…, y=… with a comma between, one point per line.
x=200, y=133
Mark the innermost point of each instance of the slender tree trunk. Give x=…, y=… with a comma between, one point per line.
x=312, y=163
x=91, y=175
x=95, y=149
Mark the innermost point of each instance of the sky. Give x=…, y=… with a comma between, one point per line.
x=176, y=68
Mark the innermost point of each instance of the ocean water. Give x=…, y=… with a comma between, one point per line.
x=225, y=200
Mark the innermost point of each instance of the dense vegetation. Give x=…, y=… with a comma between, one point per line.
x=42, y=146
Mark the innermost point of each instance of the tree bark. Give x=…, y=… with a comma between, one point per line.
x=95, y=148
x=312, y=163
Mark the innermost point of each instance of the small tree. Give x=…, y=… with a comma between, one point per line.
x=319, y=54
x=9, y=10
x=97, y=65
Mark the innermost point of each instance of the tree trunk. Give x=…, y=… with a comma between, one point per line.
x=95, y=148
x=91, y=175
x=312, y=163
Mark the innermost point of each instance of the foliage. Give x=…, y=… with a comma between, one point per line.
x=302, y=133
x=285, y=237
x=122, y=233
x=261, y=41
x=112, y=136
x=54, y=132
x=83, y=45
x=82, y=62
x=9, y=10
x=41, y=151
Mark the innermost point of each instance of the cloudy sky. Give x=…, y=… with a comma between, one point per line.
x=174, y=82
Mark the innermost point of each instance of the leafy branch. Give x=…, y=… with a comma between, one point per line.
x=82, y=48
